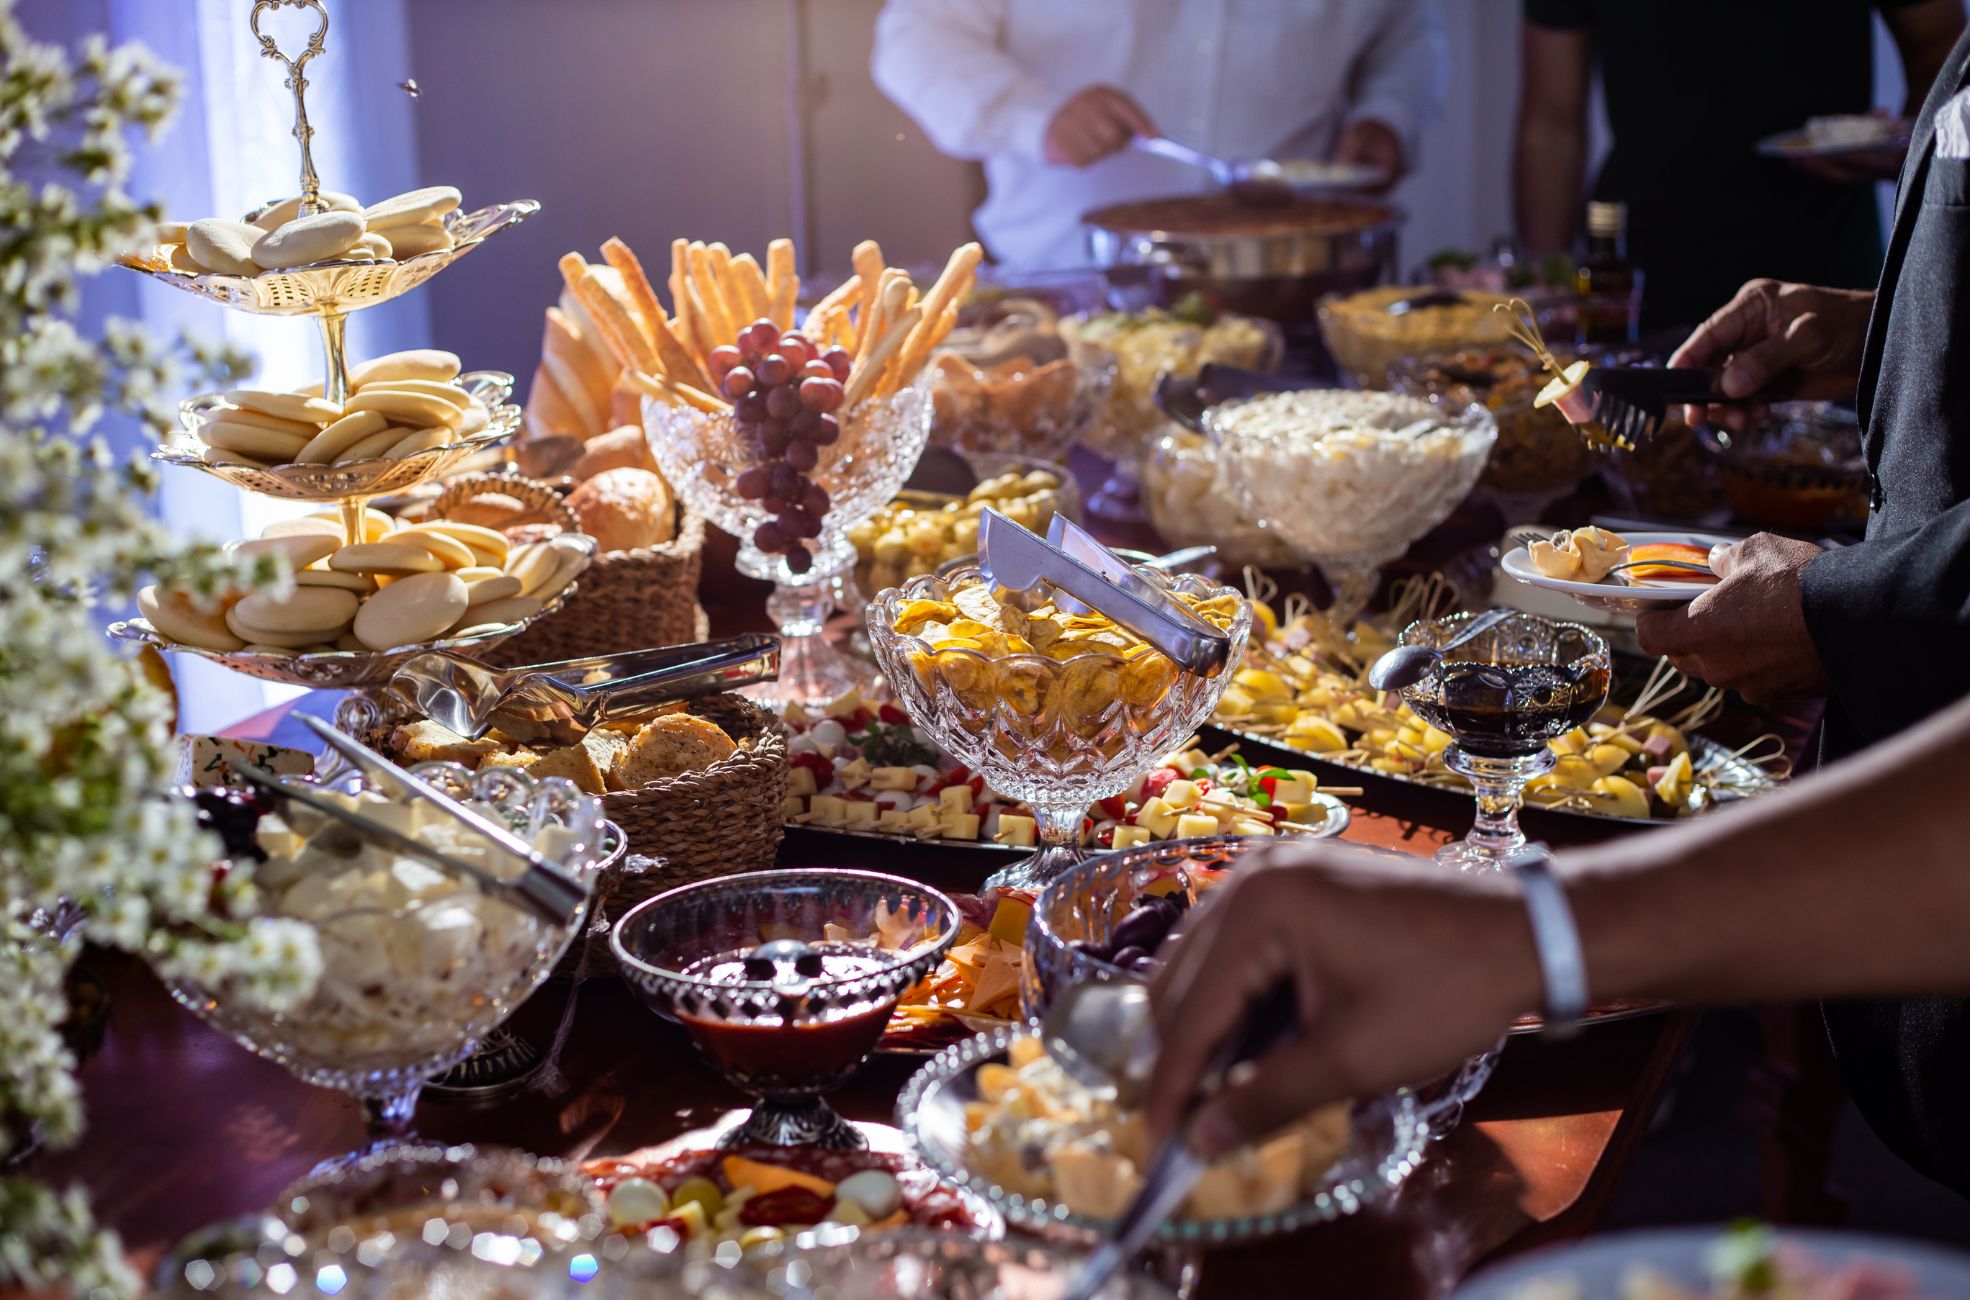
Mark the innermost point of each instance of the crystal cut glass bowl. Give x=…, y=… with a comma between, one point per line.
x=785, y=1035
x=703, y=454
x=1057, y=734
x=406, y=990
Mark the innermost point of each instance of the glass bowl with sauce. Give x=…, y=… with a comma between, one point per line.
x=785, y=981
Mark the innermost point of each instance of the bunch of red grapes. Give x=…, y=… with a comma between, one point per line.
x=784, y=390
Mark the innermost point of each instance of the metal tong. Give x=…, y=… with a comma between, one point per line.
x=560, y=702
x=1100, y=1034
x=542, y=888
x=1088, y=572
x=1630, y=402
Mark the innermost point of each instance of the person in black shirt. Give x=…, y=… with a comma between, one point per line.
x=1691, y=86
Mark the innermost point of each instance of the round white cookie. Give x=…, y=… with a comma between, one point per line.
x=305, y=526
x=246, y=440
x=286, y=406
x=417, y=240
x=422, y=440
x=303, y=616
x=174, y=617
x=488, y=544
x=301, y=549
x=303, y=429
x=276, y=215
x=308, y=239
x=445, y=391
x=376, y=524
x=410, y=610
x=501, y=586
x=335, y=439
x=427, y=204
x=375, y=445
x=493, y=613
x=415, y=410
x=223, y=246
x=412, y=363
x=359, y=583
x=395, y=559
x=455, y=554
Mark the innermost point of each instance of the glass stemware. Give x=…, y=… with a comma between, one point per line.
x=785, y=980
x=703, y=455
x=1500, y=697
x=1351, y=499
x=406, y=992
x=1056, y=734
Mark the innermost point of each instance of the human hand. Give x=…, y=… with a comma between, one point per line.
x=1747, y=633
x=1399, y=970
x=1773, y=329
x=1369, y=143
x=1093, y=124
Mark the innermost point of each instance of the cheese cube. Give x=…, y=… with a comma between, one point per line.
x=1181, y=795
x=1020, y=832
x=858, y=814
x=1194, y=824
x=955, y=798
x=893, y=819
x=1247, y=826
x=794, y=807
x=892, y=778
x=959, y=826
x=1290, y=789
x=855, y=775
x=800, y=780
x=1189, y=761
x=1295, y=811
x=925, y=816
x=826, y=810
x=1157, y=817
x=1127, y=837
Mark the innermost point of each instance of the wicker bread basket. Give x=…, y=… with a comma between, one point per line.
x=629, y=600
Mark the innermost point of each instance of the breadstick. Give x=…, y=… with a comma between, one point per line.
x=717, y=320
x=676, y=394
x=868, y=264
x=842, y=297
x=891, y=301
x=751, y=282
x=619, y=329
x=782, y=284
x=720, y=259
x=863, y=379
x=950, y=288
x=641, y=296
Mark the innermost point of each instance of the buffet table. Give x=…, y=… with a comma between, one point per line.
x=186, y=1128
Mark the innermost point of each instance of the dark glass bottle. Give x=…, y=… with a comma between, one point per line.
x=1608, y=284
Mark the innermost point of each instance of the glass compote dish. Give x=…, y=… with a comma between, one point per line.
x=704, y=454
x=411, y=976
x=754, y=966
x=1349, y=480
x=1057, y=734
x=1501, y=696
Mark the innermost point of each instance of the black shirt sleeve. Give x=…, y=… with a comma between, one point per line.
x=1570, y=14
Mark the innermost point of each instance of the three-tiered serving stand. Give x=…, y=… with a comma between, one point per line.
x=328, y=292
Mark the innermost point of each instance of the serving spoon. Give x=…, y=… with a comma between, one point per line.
x=1254, y=182
x=1406, y=665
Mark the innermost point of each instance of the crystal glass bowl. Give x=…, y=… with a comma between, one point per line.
x=703, y=455
x=1350, y=497
x=400, y=1189
x=1387, y=1145
x=1024, y=411
x=1501, y=697
x=787, y=1037
x=1056, y=734
x=406, y=991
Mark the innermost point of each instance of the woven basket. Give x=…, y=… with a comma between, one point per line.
x=628, y=600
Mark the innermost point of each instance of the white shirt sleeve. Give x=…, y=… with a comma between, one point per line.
x=1401, y=77
x=942, y=62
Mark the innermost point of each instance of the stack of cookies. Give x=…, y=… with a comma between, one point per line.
x=278, y=238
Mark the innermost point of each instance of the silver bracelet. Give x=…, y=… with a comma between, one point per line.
x=1562, y=963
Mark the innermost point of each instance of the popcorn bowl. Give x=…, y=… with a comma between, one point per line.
x=702, y=455
x=1056, y=734
x=785, y=981
x=411, y=978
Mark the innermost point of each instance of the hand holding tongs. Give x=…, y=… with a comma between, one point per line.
x=542, y=888
x=1083, y=570
x=561, y=701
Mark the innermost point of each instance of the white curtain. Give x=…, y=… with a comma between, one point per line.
x=231, y=148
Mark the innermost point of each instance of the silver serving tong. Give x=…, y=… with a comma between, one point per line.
x=542, y=887
x=1084, y=569
x=1101, y=1035
x=561, y=701
x=1630, y=402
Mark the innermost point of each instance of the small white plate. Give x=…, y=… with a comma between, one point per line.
x=1314, y=176
x=1598, y=1266
x=1795, y=144
x=1611, y=593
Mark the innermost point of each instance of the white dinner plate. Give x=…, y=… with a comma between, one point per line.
x=1611, y=593
x=1795, y=144
x=1596, y=1267
x=1315, y=176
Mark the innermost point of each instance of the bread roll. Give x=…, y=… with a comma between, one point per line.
x=623, y=509
x=624, y=448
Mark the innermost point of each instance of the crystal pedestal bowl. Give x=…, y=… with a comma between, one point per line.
x=1056, y=733
x=1500, y=697
x=703, y=456
x=411, y=978
x=785, y=980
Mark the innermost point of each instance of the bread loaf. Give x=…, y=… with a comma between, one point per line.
x=623, y=509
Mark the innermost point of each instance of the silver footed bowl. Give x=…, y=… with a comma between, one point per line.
x=377, y=476
x=336, y=288
x=1388, y=1142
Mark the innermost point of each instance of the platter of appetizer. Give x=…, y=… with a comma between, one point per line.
x=1621, y=574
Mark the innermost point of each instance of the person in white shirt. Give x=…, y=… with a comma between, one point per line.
x=1048, y=94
